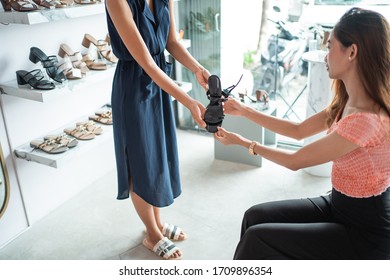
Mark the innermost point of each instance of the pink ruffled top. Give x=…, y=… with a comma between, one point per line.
x=365, y=171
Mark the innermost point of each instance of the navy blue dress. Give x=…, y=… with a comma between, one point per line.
x=143, y=120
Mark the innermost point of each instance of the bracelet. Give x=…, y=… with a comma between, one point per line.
x=251, y=148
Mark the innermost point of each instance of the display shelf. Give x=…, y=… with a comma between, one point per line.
x=29, y=153
x=50, y=15
x=13, y=89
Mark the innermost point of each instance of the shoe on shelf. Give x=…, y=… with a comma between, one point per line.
x=49, y=63
x=104, y=117
x=101, y=119
x=75, y=58
x=67, y=67
x=91, y=126
x=49, y=4
x=102, y=47
x=67, y=3
x=48, y=146
x=79, y=132
x=92, y=64
x=19, y=5
x=63, y=139
x=164, y=248
x=82, y=2
x=107, y=113
x=34, y=78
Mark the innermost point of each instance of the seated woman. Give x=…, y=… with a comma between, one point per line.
x=353, y=221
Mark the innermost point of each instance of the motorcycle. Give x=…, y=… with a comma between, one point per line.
x=281, y=60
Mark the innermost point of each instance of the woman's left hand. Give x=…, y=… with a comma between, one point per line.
x=202, y=76
x=197, y=111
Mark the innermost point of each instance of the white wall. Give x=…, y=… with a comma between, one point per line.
x=44, y=188
x=14, y=219
x=239, y=33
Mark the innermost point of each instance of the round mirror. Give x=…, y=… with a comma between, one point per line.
x=4, y=184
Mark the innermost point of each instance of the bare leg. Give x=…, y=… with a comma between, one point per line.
x=146, y=213
x=156, y=211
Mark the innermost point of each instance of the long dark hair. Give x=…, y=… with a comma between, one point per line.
x=370, y=31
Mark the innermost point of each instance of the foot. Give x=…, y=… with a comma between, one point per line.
x=163, y=248
x=173, y=232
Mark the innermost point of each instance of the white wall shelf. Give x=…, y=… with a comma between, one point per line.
x=13, y=89
x=28, y=153
x=50, y=15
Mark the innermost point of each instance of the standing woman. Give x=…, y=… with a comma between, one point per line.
x=143, y=120
x=353, y=222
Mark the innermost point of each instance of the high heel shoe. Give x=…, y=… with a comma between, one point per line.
x=34, y=78
x=6, y=5
x=70, y=72
x=49, y=63
x=92, y=64
x=102, y=47
x=75, y=58
x=18, y=5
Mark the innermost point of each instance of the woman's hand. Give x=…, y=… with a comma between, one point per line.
x=233, y=107
x=197, y=111
x=228, y=138
x=202, y=76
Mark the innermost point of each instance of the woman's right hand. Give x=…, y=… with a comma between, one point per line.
x=233, y=107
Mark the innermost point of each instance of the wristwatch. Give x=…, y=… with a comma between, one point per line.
x=251, y=147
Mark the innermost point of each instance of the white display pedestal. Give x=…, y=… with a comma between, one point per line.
x=319, y=96
x=249, y=130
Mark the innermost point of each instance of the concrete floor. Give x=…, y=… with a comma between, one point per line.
x=94, y=225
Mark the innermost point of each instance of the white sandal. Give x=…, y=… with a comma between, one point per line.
x=173, y=232
x=165, y=248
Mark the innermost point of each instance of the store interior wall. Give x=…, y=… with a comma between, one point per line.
x=44, y=188
x=14, y=220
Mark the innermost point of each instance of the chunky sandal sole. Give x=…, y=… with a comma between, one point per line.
x=162, y=248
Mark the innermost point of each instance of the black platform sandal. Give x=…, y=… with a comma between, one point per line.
x=214, y=114
x=34, y=78
x=49, y=63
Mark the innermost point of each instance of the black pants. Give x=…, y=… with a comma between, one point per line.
x=326, y=227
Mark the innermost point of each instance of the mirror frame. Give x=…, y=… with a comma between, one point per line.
x=6, y=182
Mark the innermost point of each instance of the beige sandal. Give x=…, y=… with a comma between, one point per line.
x=48, y=146
x=67, y=3
x=63, y=139
x=102, y=47
x=75, y=58
x=70, y=72
x=49, y=4
x=82, y=2
x=101, y=119
x=80, y=133
x=91, y=126
x=92, y=64
x=104, y=113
